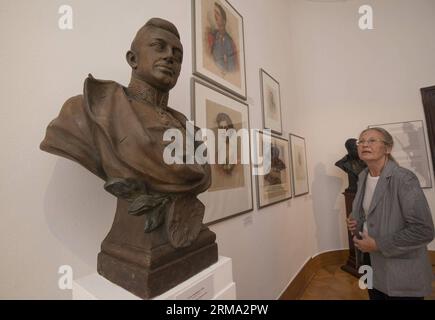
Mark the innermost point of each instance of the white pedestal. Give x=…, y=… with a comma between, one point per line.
x=213, y=283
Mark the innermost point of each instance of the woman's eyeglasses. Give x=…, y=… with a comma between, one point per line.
x=369, y=142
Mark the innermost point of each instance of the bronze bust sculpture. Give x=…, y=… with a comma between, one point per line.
x=351, y=164
x=157, y=239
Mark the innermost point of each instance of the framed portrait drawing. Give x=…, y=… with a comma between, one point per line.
x=271, y=102
x=274, y=183
x=299, y=165
x=410, y=148
x=227, y=138
x=218, y=45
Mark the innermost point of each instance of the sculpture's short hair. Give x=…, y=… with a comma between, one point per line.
x=350, y=144
x=155, y=23
x=222, y=11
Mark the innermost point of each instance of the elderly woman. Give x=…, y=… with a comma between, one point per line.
x=391, y=222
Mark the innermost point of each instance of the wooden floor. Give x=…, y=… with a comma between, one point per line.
x=332, y=283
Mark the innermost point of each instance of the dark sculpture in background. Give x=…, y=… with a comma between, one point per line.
x=157, y=239
x=351, y=164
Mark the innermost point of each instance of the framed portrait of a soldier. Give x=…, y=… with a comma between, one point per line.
x=273, y=169
x=218, y=45
x=299, y=165
x=271, y=102
x=225, y=128
x=410, y=148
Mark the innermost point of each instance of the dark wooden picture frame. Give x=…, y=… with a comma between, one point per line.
x=299, y=165
x=428, y=97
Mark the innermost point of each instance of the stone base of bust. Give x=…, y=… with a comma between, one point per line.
x=146, y=264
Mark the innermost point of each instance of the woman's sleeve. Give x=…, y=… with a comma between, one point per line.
x=419, y=227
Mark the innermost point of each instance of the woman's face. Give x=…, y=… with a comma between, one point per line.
x=371, y=146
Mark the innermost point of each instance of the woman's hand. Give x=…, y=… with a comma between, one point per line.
x=366, y=243
x=351, y=224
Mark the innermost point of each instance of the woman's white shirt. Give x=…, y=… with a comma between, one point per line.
x=368, y=195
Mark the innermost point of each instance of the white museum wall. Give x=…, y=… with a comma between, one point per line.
x=345, y=79
x=56, y=213
x=335, y=80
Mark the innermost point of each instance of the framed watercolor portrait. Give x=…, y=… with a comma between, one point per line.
x=275, y=184
x=218, y=45
x=299, y=165
x=271, y=102
x=226, y=119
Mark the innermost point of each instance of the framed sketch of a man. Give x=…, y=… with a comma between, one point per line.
x=219, y=54
x=271, y=102
x=274, y=185
x=228, y=147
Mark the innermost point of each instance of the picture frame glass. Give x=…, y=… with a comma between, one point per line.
x=230, y=192
x=219, y=52
x=410, y=149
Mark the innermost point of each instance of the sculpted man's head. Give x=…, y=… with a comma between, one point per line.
x=352, y=148
x=156, y=54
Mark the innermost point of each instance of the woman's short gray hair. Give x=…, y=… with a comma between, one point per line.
x=387, y=137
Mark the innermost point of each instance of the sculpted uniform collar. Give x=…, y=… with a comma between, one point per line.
x=143, y=92
x=96, y=91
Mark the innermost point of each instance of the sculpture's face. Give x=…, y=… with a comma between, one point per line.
x=159, y=58
x=353, y=149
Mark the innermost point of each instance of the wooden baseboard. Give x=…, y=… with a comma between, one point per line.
x=297, y=287
x=432, y=257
